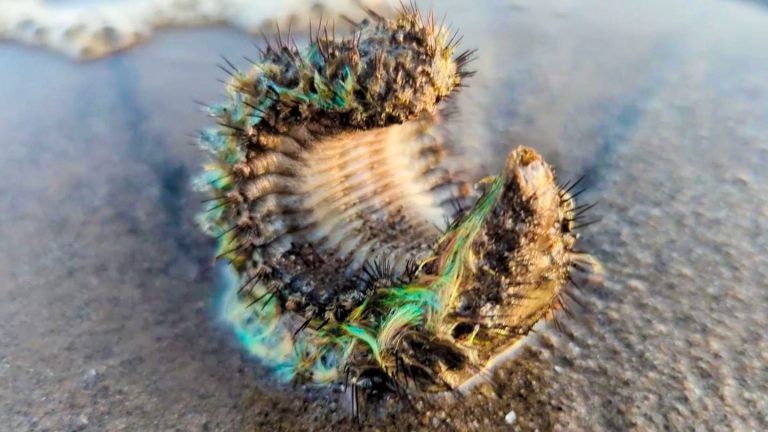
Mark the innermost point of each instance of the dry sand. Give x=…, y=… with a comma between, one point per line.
x=107, y=288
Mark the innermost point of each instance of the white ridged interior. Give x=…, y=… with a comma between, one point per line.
x=354, y=182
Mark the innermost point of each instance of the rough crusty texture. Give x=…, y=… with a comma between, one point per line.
x=524, y=254
x=498, y=270
x=353, y=255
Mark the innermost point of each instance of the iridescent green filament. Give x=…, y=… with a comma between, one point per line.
x=435, y=297
x=264, y=334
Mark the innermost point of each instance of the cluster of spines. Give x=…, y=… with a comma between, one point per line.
x=264, y=104
x=288, y=87
x=580, y=261
x=327, y=351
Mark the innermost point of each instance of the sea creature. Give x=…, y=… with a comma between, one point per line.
x=360, y=257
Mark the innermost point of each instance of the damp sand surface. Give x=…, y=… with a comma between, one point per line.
x=107, y=318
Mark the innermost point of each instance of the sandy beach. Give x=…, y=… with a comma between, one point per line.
x=107, y=318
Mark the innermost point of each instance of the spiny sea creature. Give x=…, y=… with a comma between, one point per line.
x=360, y=257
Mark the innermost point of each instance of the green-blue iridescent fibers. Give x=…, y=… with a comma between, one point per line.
x=266, y=333
x=262, y=328
x=434, y=297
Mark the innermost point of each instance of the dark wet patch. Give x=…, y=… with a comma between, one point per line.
x=624, y=115
x=151, y=148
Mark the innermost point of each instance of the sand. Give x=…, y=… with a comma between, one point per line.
x=107, y=314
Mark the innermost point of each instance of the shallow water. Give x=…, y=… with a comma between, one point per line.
x=108, y=286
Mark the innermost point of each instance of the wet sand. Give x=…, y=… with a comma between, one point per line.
x=107, y=317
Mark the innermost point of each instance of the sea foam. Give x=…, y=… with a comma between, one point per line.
x=87, y=29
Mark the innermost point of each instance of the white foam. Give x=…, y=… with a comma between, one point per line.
x=88, y=29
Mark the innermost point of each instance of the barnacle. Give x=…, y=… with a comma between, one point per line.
x=354, y=251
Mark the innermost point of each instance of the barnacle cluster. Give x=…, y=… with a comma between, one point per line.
x=359, y=255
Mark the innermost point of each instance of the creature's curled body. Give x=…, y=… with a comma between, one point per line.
x=330, y=201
